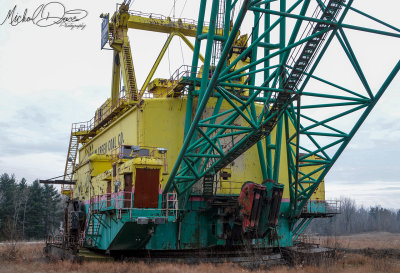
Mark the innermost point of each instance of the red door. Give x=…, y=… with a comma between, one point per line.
x=128, y=190
x=146, y=188
x=108, y=193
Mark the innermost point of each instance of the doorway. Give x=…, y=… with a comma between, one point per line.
x=146, y=188
x=128, y=190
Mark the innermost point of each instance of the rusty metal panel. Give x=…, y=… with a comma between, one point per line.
x=146, y=188
x=108, y=193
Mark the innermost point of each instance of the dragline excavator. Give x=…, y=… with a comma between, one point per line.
x=228, y=153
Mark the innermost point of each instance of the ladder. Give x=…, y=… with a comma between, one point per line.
x=282, y=100
x=70, y=163
x=130, y=73
x=219, y=31
x=311, y=47
x=94, y=221
x=93, y=229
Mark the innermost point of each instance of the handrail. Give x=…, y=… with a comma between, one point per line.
x=322, y=207
x=163, y=17
x=124, y=201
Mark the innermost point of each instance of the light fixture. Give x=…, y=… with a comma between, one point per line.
x=162, y=150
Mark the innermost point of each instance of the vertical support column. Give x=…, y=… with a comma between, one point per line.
x=252, y=81
x=296, y=178
x=202, y=103
x=282, y=43
x=227, y=26
x=267, y=40
x=209, y=47
x=207, y=59
x=293, y=178
x=116, y=75
x=193, y=75
x=195, y=61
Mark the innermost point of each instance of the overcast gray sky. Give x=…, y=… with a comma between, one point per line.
x=53, y=76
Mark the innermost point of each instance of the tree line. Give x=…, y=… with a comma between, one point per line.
x=354, y=219
x=34, y=211
x=28, y=211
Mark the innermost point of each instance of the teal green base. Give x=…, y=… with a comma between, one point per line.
x=199, y=228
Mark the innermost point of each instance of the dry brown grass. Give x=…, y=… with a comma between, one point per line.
x=21, y=251
x=377, y=240
x=29, y=259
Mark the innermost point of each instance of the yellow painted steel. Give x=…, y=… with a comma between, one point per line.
x=319, y=193
x=164, y=24
x=116, y=78
x=99, y=163
x=121, y=21
x=159, y=122
x=161, y=55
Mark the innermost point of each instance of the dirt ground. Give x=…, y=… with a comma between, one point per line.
x=28, y=258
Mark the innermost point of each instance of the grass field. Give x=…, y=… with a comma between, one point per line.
x=28, y=257
x=378, y=240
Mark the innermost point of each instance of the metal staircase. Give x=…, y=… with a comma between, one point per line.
x=93, y=223
x=283, y=99
x=311, y=47
x=92, y=233
x=219, y=156
x=130, y=72
x=70, y=163
x=219, y=32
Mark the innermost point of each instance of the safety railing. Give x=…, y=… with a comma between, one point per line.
x=132, y=151
x=307, y=32
x=170, y=204
x=229, y=187
x=147, y=95
x=101, y=114
x=166, y=18
x=221, y=186
x=183, y=71
x=104, y=111
x=107, y=108
x=122, y=202
x=326, y=207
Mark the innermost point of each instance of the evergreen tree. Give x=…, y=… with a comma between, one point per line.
x=28, y=211
x=7, y=205
x=52, y=210
x=34, y=212
x=23, y=195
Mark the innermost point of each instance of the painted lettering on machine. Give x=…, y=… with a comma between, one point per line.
x=107, y=146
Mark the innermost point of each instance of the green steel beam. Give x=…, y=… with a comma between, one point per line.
x=370, y=30
x=358, y=124
x=374, y=19
x=203, y=101
x=262, y=36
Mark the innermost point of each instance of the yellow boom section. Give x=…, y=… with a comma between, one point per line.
x=118, y=26
x=160, y=23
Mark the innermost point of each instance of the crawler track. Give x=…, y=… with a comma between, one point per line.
x=247, y=258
